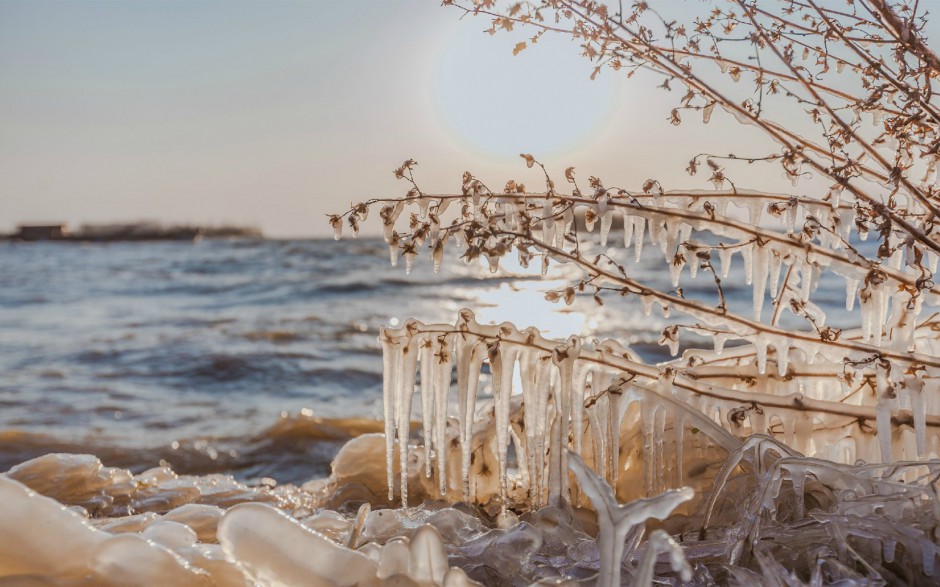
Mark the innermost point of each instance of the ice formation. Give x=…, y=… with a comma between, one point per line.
x=567, y=384
x=769, y=437
x=160, y=529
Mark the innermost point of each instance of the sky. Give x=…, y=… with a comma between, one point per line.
x=274, y=114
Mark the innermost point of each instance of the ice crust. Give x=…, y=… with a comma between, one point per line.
x=760, y=513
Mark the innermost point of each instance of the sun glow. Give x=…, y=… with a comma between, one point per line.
x=501, y=106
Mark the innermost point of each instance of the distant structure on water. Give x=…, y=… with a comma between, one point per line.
x=41, y=232
x=136, y=231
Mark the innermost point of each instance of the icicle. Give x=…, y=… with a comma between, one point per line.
x=493, y=262
x=724, y=256
x=878, y=303
x=616, y=401
x=578, y=392
x=559, y=223
x=776, y=262
x=659, y=433
x=639, y=225
x=389, y=216
x=391, y=362
x=434, y=230
x=888, y=548
x=657, y=230
x=607, y=219
x=782, y=350
x=693, y=265
x=441, y=371
x=502, y=364
x=598, y=416
x=393, y=249
x=747, y=254
x=851, y=287
x=928, y=558
x=760, y=348
x=509, y=209
x=791, y=215
x=721, y=207
x=470, y=356
x=755, y=207
x=647, y=429
x=409, y=256
x=627, y=229
x=806, y=281
x=567, y=221
x=676, y=264
x=883, y=407
x=427, y=401
x=554, y=449
x=403, y=401
x=915, y=390
x=803, y=430
x=565, y=358
x=437, y=254
x=902, y=324
x=865, y=307
x=846, y=221
x=678, y=429
x=883, y=424
x=528, y=359
x=548, y=224
x=590, y=218
x=543, y=371
x=761, y=264
x=719, y=339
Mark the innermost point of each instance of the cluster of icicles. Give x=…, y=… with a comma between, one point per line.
x=576, y=398
x=655, y=435
x=896, y=358
x=802, y=412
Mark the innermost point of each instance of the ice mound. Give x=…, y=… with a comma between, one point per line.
x=46, y=542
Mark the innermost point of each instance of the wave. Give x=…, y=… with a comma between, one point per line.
x=295, y=448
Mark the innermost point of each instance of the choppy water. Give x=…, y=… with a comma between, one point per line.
x=214, y=355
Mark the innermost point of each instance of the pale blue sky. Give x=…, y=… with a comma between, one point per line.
x=275, y=113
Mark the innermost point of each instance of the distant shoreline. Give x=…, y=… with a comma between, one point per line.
x=127, y=232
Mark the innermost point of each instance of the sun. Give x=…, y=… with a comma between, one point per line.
x=541, y=101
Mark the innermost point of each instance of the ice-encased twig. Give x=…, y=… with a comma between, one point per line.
x=615, y=520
